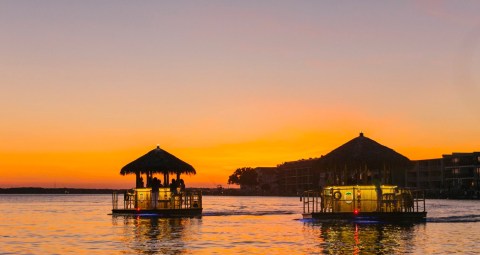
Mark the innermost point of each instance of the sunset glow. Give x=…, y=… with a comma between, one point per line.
x=87, y=87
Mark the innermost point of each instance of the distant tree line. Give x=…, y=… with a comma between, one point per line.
x=33, y=190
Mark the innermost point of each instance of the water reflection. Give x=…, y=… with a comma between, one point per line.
x=153, y=235
x=364, y=238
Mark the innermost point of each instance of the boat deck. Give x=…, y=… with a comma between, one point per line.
x=165, y=213
x=391, y=203
x=142, y=201
x=370, y=216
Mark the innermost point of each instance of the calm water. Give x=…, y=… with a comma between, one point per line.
x=80, y=224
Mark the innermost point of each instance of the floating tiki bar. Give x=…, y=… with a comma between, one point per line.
x=366, y=202
x=363, y=180
x=151, y=197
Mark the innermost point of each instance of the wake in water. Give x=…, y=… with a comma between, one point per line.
x=456, y=219
x=244, y=213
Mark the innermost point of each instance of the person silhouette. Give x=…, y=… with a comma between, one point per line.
x=378, y=189
x=173, y=186
x=155, y=189
x=140, y=182
x=181, y=185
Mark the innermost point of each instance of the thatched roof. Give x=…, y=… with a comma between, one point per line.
x=158, y=161
x=362, y=152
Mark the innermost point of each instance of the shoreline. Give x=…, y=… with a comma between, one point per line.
x=38, y=190
x=205, y=191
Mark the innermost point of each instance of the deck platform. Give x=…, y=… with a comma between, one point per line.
x=386, y=203
x=165, y=204
x=164, y=213
x=369, y=216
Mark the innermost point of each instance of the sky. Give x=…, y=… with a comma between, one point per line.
x=88, y=86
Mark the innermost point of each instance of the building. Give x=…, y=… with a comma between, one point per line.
x=455, y=175
x=268, y=180
x=428, y=175
x=361, y=160
x=298, y=176
x=462, y=174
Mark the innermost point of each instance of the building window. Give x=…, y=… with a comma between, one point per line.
x=478, y=171
x=455, y=160
x=455, y=171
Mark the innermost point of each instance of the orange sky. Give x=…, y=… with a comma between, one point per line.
x=87, y=87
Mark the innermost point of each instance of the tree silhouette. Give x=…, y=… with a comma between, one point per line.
x=245, y=176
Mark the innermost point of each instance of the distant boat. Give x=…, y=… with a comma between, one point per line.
x=364, y=202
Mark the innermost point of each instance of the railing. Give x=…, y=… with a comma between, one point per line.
x=115, y=200
x=311, y=201
x=363, y=199
x=147, y=200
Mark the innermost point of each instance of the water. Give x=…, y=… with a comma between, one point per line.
x=80, y=224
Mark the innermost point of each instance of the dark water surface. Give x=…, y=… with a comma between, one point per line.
x=80, y=224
